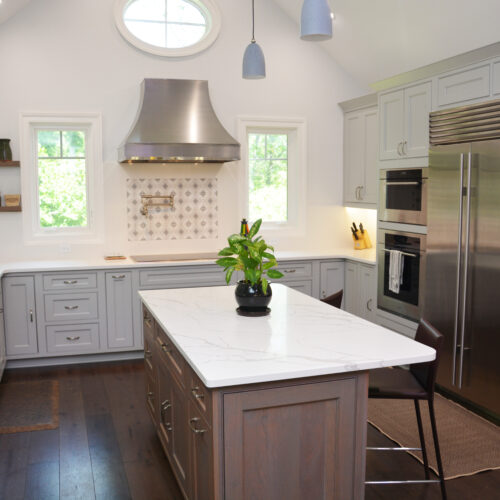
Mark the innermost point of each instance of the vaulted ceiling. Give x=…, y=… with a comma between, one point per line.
x=9, y=7
x=376, y=39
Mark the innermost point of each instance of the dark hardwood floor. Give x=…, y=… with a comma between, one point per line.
x=106, y=447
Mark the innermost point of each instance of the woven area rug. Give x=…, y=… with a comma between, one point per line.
x=29, y=406
x=469, y=444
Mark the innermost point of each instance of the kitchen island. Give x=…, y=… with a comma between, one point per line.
x=266, y=408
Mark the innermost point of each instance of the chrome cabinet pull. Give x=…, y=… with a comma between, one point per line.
x=164, y=348
x=164, y=407
x=360, y=191
x=194, y=392
x=118, y=276
x=148, y=323
x=71, y=308
x=405, y=148
x=192, y=425
x=72, y=339
x=70, y=282
x=31, y=315
x=399, y=148
x=289, y=271
x=403, y=183
x=368, y=305
x=148, y=354
x=150, y=395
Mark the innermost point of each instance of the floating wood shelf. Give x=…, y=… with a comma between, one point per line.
x=10, y=163
x=10, y=209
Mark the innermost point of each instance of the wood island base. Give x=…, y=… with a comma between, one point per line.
x=294, y=439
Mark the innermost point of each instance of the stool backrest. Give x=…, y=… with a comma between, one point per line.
x=426, y=373
x=334, y=300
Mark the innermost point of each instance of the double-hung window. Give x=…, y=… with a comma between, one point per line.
x=274, y=187
x=62, y=178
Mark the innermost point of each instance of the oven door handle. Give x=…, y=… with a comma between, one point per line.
x=406, y=254
x=404, y=183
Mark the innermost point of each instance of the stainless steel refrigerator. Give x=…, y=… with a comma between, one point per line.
x=462, y=290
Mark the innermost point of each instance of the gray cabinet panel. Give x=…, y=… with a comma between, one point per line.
x=71, y=307
x=300, y=286
x=331, y=278
x=351, y=300
x=72, y=339
x=69, y=281
x=179, y=277
x=119, y=309
x=19, y=312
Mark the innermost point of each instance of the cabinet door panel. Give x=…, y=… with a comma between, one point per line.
x=368, y=292
x=351, y=292
x=119, y=309
x=201, y=457
x=354, y=157
x=417, y=109
x=331, y=278
x=271, y=434
x=391, y=124
x=20, y=314
x=370, y=182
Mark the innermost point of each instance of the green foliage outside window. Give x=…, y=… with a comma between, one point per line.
x=268, y=176
x=62, y=182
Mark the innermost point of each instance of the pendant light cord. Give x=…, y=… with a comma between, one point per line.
x=253, y=22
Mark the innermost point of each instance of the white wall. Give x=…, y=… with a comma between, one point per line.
x=67, y=55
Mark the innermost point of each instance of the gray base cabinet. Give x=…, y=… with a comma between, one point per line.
x=99, y=311
x=361, y=290
x=19, y=313
x=119, y=307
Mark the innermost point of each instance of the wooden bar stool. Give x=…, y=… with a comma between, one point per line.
x=334, y=300
x=417, y=383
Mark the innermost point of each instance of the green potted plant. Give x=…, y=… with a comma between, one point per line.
x=254, y=257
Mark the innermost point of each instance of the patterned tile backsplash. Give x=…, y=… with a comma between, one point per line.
x=193, y=216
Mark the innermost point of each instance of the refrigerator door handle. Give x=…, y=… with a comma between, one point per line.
x=466, y=271
x=459, y=273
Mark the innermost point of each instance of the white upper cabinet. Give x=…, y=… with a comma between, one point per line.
x=404, y=122
x=360, y=156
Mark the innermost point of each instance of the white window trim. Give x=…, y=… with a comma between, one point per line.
x=297, y=175
x=212, y=15
x=33, y=234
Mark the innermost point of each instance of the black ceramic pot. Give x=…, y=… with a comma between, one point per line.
x=251, y=297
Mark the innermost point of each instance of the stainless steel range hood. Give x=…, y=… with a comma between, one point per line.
x=176, y=123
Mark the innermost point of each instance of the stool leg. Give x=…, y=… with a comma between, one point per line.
x=436, y=447
x=422, y=438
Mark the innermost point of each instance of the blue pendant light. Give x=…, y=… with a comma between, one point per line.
x=254, y=64
x=316, y=21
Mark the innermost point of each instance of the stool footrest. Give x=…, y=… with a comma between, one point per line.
x=410, y=481
x=397, y=448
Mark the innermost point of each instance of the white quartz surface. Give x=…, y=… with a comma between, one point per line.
x=302, y=337
x=364, y=256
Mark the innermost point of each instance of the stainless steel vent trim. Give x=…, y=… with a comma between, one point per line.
x=477, y=122
x=176, y=123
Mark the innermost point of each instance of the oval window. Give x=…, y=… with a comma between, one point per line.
x=168, y=27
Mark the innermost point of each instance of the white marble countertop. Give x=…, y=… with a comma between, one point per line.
x=302, y=337
x=363, y=256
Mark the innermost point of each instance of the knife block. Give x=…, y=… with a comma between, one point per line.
x=363, y=240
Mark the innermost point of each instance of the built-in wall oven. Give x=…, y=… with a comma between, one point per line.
x=408, y=301
x=403, y=195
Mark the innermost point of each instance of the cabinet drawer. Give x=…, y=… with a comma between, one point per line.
x=464, y=86
x=300, y=286
x=201, y=396
x=296, y=270
x=72, y=338
x=76, y=306
x=173, y=359
x=76, y=281
x=180, y=277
